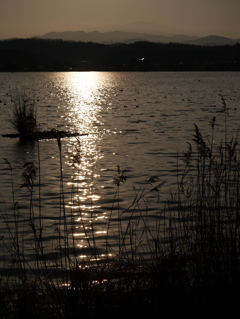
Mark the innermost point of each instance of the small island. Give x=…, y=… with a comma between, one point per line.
x=24, y=121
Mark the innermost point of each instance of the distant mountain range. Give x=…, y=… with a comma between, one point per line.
x=213, y=40
x=114, y=37
x=131, y=37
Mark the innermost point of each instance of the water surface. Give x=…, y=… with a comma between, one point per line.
x=139, y=121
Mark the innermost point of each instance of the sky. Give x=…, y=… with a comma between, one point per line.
x=28, y=18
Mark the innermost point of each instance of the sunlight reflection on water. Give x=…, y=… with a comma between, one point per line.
x=83, y=115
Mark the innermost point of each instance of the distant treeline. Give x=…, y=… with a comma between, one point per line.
x=58, y=55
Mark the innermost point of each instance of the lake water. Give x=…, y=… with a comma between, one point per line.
x=139, y=121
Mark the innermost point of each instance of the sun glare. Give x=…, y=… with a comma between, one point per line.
x=83, y=112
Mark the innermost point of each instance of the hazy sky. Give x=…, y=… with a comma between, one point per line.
x=27, y=18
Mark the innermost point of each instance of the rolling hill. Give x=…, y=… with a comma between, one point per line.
x=131, y=37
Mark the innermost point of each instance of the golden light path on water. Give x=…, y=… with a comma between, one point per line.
x=85, y=94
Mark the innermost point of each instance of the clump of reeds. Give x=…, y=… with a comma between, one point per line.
x=24, y=113
x=205, y=211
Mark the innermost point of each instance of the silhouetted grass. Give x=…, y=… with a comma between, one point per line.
x=24, y=115
x=186, y=255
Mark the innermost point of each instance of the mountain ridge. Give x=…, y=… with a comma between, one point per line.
x=213, y=40
x=111, y=37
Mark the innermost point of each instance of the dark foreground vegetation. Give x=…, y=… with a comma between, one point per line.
x=193, y=244
x=59, y=55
